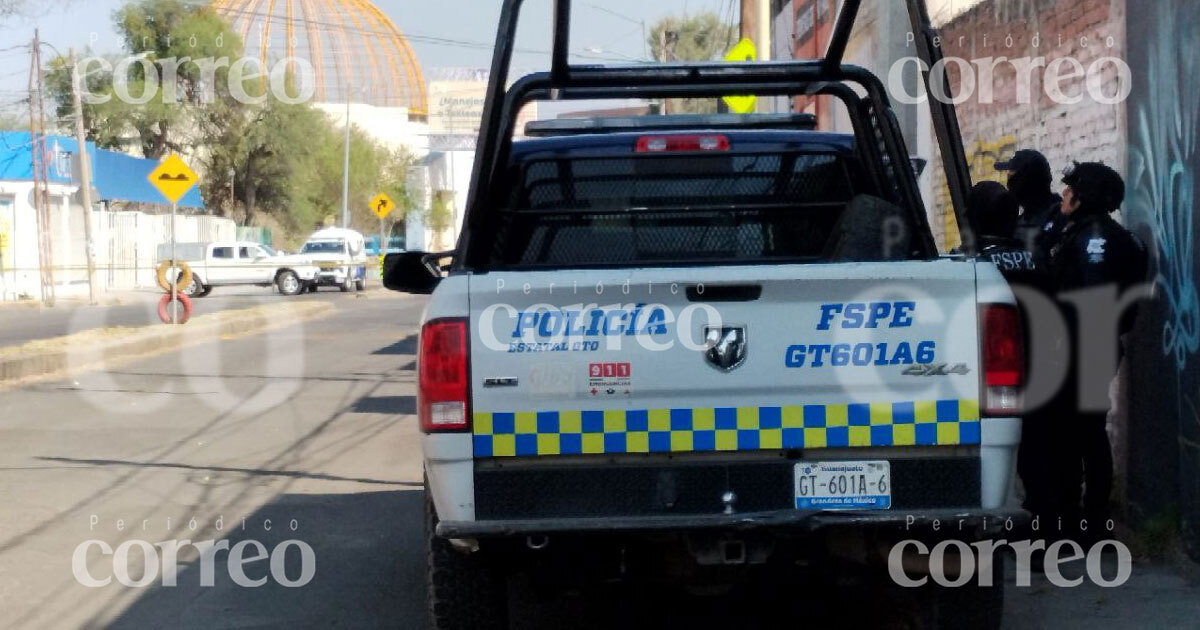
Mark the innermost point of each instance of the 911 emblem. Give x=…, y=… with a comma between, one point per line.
x=944, y=369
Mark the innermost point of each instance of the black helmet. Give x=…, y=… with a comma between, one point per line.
x=1098, y=187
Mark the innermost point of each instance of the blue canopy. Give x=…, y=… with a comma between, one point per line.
x=115, y=176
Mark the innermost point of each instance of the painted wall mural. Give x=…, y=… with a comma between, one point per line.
x=1164, y=135
x=1162, y=156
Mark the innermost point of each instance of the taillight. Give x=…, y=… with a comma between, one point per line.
x=442, y=376
x=1003, y=359
x=671, y=144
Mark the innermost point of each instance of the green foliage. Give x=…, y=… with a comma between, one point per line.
x=441, y=211
x=277, y=164
x=160, y=34
x=698, y=37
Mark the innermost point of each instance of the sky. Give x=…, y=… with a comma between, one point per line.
x=602, y=29
x=79, y=23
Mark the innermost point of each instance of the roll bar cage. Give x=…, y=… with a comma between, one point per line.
x=821, y=76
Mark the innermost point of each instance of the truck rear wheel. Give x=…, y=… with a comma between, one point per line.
x=289, y=283
x=465, y=590
x=194, y=288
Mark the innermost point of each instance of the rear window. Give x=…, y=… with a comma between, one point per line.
x=681, y=208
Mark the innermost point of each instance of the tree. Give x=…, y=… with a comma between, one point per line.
x=274, y=163
x=177, y=111
x=699, y=37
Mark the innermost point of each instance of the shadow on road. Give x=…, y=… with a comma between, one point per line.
x=405, y=347
x=368, y=560
x=249, y=472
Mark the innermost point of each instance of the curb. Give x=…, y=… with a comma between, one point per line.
x=82, y=351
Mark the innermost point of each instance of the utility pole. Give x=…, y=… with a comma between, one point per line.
x=346, y=167
x=85, y=179
x=666, y=54
x=749, y=29
x=40, y=172
x=764, y=30
x=756, y=27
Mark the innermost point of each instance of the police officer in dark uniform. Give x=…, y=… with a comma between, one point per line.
x=1029, y=180
x=1091, y=250
x=993, y=214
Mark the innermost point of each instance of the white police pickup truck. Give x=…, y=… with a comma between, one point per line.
x=704, y=346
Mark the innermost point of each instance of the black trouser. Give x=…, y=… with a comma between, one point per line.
x=1038, y=460
x=1090, y=462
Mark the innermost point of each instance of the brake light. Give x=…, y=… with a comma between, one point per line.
x=442, y=376
x=672, y=144
x=1003, y=359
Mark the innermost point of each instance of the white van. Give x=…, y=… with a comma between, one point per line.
x=341, y=257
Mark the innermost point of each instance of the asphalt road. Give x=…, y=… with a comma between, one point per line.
x=310, y=427
x=20, y=323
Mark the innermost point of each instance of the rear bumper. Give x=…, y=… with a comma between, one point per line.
x=475, y=498
x=795, y=521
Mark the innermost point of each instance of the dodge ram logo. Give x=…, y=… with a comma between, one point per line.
x=725, y=346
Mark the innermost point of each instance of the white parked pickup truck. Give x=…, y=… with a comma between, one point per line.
x=233, y=263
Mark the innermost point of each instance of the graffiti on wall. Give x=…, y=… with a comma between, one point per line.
x=982, y=156
x=1162, y=159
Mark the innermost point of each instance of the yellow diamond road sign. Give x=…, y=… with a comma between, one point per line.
x=382, y=205
x=173, y=178
x=742, y=51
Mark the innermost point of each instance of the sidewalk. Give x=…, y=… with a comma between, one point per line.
x=21, y=322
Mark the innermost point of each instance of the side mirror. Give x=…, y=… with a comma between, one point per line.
x=407, y=272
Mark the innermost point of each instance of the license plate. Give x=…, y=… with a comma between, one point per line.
x=843, y=485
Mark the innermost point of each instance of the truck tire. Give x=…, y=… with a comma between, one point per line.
x=289, y=283
x=348, y=285
x=360, y=285
x=465, y=591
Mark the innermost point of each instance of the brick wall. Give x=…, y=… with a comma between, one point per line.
x=1086, y=131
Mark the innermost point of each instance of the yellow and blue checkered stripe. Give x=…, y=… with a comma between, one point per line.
x=615, y=431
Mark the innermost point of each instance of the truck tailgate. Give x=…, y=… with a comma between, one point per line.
x=737, y=358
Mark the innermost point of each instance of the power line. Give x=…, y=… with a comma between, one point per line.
x=411, y=37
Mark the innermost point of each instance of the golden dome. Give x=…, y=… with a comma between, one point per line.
x=351, y=44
